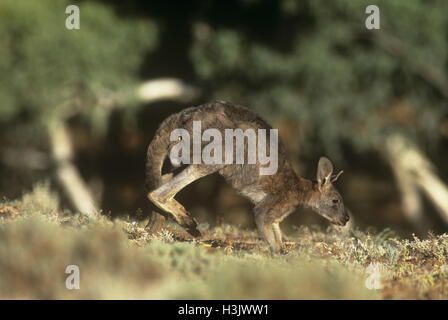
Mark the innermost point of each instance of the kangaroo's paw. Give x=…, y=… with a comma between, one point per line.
x=155, y=223
x=190, y=226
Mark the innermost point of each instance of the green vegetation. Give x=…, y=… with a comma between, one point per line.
x=52, y=72
x=315, y=63
x=120, y=260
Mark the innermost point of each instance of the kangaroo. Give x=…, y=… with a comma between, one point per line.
x=274, y=196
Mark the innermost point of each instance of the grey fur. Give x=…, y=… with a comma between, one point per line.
x=274, y=196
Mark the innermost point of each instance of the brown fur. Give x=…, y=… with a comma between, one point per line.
x=274, y=196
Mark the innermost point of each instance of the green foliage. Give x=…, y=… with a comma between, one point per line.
x=311, y=62
x=47, y=70
x=318, y=65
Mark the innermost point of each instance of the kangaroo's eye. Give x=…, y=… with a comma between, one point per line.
x=335, y=201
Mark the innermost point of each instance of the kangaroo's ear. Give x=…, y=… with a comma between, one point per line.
x=324, y=171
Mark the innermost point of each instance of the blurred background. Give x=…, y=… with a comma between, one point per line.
x=79, y=107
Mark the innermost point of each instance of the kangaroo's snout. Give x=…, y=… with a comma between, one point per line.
x=343, y=220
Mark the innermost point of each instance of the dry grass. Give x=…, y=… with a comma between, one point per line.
x=118, y=259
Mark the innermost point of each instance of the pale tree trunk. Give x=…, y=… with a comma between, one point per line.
x=415, y=175
x=166, y=89
x=66, y=172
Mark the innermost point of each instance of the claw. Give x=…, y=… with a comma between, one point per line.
x=194, y=232
x=192, y=229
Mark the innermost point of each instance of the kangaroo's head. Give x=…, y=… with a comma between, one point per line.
x=326, y=200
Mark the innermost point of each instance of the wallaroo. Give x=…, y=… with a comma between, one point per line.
x=274, y=196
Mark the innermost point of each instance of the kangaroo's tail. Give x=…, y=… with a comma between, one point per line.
x=157, y=151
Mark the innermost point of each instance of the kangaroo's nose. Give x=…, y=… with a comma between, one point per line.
x=346, y=218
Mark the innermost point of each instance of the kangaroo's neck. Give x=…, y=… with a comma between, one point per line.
x=306, y=192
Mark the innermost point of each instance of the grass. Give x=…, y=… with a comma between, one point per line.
x=120, y=260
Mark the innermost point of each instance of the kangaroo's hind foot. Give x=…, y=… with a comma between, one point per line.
x=155, y=223
x=178, y=212
x=163, y=196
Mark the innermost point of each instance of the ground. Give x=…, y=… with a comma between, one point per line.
x=119, y=259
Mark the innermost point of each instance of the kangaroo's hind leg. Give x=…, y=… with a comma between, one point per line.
x=156, y=220
x=163, y=196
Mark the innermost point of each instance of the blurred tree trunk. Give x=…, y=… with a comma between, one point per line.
x=166, y=89
x=66, y=172
x=415, y=174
